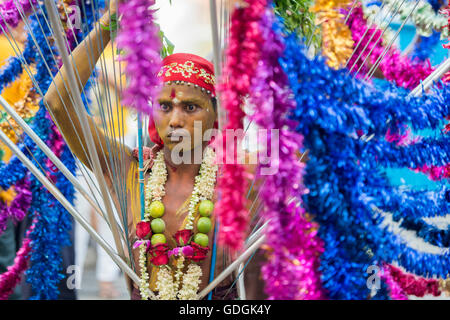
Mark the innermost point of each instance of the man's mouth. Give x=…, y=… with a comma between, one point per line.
x=177, y=135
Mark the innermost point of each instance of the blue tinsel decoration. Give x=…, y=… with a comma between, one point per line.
x=51, y=231
x=426, y=46
x=344, y=174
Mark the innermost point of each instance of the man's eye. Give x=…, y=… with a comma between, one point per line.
x=164, y=107
x=191, y=107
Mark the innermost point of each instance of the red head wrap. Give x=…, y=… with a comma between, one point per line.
x=184, y=67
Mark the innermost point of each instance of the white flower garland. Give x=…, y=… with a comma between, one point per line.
x=154, y=191
x=191, y=282
x=165, y=285
x=424, y=17
x=143, y=285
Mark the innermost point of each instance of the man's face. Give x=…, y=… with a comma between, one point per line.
x=179, y=107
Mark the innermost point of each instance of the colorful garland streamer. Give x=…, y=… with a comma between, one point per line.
x=139, y=39
x=44, y=273
x=344, y=179
x=293, y=247
x=10, y=12
x=425, y=46
x=424, y=17
x=46, y=239
x=395, y=290
x=413, y=285
x=401, y=70
x=337, y=42
x=422, y=50
x=242, y=58
x=11, y=278
x=18, y=208
x=13, y=68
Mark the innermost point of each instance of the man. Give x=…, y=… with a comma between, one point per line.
x=186, y=98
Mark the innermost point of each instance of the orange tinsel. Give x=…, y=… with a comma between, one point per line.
x=337, y=44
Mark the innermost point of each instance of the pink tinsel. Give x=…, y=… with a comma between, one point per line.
x=401, y=139
x=395, y=290
x=291, y=270
x=56, y=143
x=395, y=67
x=138, y=38
x=11, y=278
x=242, y=58
x=411, y=284
x=436, y=173
x=11, y=14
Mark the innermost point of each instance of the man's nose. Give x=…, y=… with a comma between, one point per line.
x=177, y=119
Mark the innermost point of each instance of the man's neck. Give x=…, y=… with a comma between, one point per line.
x=186, y=169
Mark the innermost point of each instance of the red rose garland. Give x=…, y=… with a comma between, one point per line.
x=243, y=54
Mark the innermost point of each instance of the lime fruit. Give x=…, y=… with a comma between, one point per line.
x=158, y=225
x=158, y=238
x=201, y=239
x=156, y=209
x=205, y=208
x=203, y=225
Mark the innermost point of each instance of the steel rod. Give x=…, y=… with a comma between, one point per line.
x=240, y=283
x=49, y=153
x=68, y=206
x=79, y=109
x=217, y=58
x=380, y=58
x=235, y=264
x=434, y=76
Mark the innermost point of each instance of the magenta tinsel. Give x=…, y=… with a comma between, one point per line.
x=396, y=292
x=401, y=138
x=11, y=14
x=291, y=271
x=56, y=143
x=242, y=57
x=138, y=38
x=411, y=284
x=11, y=278
x=18, y=207
x=400, y=69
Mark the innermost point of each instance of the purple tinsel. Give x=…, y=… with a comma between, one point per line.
x=18, y=208
x=10, y=12
x=291, y=271
x=11, y=278
x=138, y=38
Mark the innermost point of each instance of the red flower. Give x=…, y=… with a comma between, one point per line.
x=199, y=254
x=143, y=230
x=183, y=237
x=159, y=254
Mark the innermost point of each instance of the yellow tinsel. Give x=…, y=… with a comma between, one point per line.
x=8, y=195
x=337, y=42
x=15, y=94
